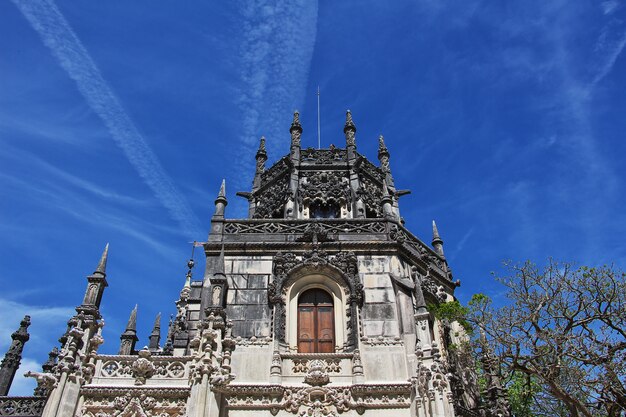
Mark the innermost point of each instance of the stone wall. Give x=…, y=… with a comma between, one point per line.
x=247, y=304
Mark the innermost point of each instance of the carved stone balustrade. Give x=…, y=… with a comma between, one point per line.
x=296, y=366
x=135, y=370
x=22, y=406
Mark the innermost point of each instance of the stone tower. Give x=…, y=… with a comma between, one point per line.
x=317, y=305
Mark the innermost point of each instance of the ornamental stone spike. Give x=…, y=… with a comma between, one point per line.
x=13, y=357
x=349, y=122
x=261, y=153
x=221, y=202
x=382, y=148
x=437, y=242
x=102, y=265
x=296, y=137
x=295, y=124
x=129, y=338
x=132, y=320
x=155, y=336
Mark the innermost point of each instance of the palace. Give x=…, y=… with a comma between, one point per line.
x=316, y=305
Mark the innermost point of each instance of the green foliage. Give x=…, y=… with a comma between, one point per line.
x=522, y=390
x=451, y=311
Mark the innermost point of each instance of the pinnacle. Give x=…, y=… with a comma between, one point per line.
x=435, y=232
x=295, y=124
x=349, y=122
x=261, y=151
x=132, y=320
x=222, y=189
x=102, y=265
x=157, y=323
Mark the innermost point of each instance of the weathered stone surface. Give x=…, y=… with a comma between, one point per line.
x=257, y=280
x=377, y=295
x=376, y=280
x=382, y=311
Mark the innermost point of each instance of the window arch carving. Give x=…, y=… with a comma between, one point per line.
x=340, y=268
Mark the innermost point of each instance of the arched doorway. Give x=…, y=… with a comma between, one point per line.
x=316, y=324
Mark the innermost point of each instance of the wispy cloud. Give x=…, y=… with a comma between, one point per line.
x=276, y=51
x=45, y=17
x=461, y=243
x=82, y=207
x=610, y=45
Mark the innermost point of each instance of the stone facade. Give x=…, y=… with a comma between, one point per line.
x=319, y=220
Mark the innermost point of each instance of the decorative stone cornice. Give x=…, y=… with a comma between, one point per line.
x=318, y=400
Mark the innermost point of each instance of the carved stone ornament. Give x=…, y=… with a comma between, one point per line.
x=436, y=291
x=270, y=201
x=318, y=401
x=324, y=188
x=315, y=233
x=324, y=156
x=124, y=402
x=278, y=169
x=317, y=374
x=22, y=406
x=371, y=193
x=143, y=368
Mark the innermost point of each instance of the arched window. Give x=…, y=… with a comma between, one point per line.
x=316, y=323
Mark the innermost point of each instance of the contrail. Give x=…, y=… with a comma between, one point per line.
x=45, y=17
x=278, y=42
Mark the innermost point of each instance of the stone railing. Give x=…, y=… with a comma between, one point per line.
x=297, y=227
x=155, y=367
x=22, y=406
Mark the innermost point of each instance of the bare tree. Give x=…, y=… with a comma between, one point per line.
x=564, y=330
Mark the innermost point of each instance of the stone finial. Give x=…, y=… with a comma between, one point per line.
x=221, y=202
x=296, y=133
x=102, y=265
x=22, y=333
x=382, y=148
x=295, y=124
x=349, y=130
x=129, y=338
x=437, y=242
x=261, y=153
x=13, y=357
x=155, y=336
x=132, y=320
x=349, y=122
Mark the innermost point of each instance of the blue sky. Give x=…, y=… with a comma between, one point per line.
x=118, y=121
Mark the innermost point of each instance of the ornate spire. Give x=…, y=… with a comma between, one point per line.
x=132, y=320
x=349, y=130
x=102, y=265
x=295, y=129
x=261, y=152
x=437, y=242
x=129, y=338
x=261, y=156
x=220, y=201
x=96, y=283
x=155, y=336
x=383, y=152
x=13, y=357
x=349, y=122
